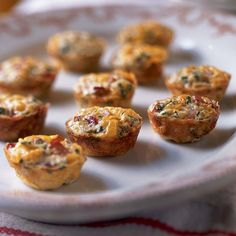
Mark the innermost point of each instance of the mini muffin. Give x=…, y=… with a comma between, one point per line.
x=149, y=32
x=203, y=80
x=20, y=116
x=76, y=51
x=184, y=118
x=45, y=162
x=26, y=75
x=104, y=131
x=145, y=61
x=105, y=89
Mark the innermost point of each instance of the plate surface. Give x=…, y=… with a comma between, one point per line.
x=156, y=172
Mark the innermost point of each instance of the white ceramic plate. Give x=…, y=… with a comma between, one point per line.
x=156, y=172
x=229, y=5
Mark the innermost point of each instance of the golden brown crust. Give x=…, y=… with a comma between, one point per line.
x=145, y=61
x=150, y=75
x=207, y=81
x=105, y=89
x=76, y=51
x=41, y=179
x=26, y=76
x=39, y=90
x=85, y=65
x=183, y=130
x=104, y=148
x=107, y=131
x=45, y=167
x=20, y=116
x=12, y=128
x=149, y=32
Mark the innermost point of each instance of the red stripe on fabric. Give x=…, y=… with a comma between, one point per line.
x=132, y=220
x=16, y=232
x=159, y=225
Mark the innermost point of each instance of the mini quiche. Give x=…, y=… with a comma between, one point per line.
x=105, y=89
x=26, y=75
x=202, y=80
x=20, y=116
x=145, y=61
x=45, y=162
x=104, y=131
x=184, y=118
x=149, y=32
x=76, y=51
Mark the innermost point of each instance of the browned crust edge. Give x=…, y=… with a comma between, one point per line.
x=38, y=89
x=42, y=179
x=145, y=76
x=99, y=147
x=12, y=128
x=181, y=130
x=214, y=93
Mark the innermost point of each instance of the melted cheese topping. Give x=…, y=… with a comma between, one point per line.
x=186, y=107
x=139, y=56
x=199, y=77
x=18, y=105
x=118, y=84
x=24, y=70
x=105, y=122
x=48, y=152
x=73, y=44
x=147, y=32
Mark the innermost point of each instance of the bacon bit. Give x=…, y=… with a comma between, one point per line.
x=208, y=73
x=57, y=146
x=198, y=99
x=112, y=78
x=18, y=66
x=77, y=118
x=91, y=120
x=10, y=145
x=192, y=114
x=101, y=91
x=49, y=76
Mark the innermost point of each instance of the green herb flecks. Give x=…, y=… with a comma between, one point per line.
x=25, y=142
x=77, y=151
x=184, y=79
x=142, y=58
x=176, y=114
x=123, y=91
x=188, y=100
x=2, y=111
x=160, y=107
x=197, y=75
x=65, y=49
x=163, y=113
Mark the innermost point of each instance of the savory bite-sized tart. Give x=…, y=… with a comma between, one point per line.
x=20, y=116
x=45, y=162
x=202, y=80
x=104, y=131
x=26, y=75
x=105, y=89
x=149, y=32
x=76, y=51
x=184, y=118
x=145, y=61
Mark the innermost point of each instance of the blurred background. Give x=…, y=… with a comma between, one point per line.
x=30, y=6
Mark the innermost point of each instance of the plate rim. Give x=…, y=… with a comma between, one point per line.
x=216, y=174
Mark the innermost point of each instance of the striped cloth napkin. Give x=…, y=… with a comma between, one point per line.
x=212, y=215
